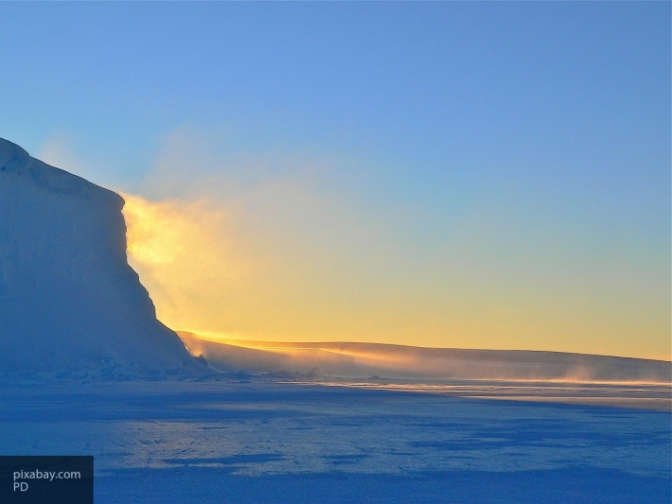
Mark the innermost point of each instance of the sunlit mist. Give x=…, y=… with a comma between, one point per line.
x=184, y=257
x=292, y=254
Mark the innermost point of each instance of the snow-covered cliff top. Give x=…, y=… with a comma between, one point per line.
x=15, y=160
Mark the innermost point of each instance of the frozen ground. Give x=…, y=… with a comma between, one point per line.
x=256, y=441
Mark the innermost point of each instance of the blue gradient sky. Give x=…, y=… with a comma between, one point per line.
x=516, y=148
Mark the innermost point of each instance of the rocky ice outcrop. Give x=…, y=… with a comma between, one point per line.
x=69, y=301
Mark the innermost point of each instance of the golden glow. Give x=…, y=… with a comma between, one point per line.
x=252, y=272
x=184, y=257
x=153, y=236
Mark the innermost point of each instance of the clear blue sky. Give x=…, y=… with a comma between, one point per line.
x=554, y=114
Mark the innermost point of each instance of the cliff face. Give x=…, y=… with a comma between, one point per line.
x=68, y=298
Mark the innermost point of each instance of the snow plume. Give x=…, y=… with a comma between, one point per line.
x=184, y=254
x=232, y=243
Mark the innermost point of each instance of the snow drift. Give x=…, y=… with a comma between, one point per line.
x=363, y=360
x=69, y=301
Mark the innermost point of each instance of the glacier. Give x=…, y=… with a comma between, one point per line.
x=86, y=368
x=69, y=302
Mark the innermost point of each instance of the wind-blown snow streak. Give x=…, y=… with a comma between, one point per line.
x=476, y=374
x=358, y=360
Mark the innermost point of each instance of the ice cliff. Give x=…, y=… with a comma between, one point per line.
x=69, y=301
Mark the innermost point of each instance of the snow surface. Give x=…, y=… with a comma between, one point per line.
x=69, y=302
x=261, y=442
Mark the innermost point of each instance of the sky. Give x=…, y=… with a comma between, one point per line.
x=473, y=175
